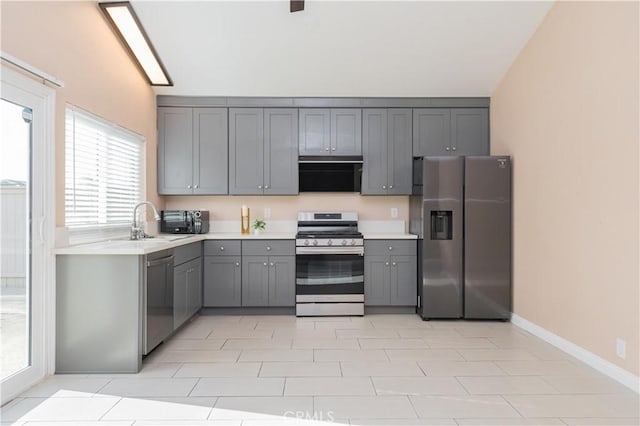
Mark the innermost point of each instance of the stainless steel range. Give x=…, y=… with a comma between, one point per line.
x=329, y=264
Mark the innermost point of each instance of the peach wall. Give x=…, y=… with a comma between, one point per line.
x=72, y=41
x=567, y=111
x=287, y=207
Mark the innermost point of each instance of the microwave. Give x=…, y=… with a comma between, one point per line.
x=330, y=174
x=184, y=221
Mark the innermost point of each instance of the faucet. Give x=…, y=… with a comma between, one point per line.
x=137, y=230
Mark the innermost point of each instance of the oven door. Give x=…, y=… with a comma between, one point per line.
x=325, y=272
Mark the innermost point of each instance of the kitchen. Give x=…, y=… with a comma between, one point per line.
x=139, y=114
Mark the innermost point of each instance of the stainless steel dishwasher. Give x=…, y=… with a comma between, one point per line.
x=158, y=294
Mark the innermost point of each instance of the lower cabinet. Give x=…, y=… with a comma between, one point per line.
x=268, y=273
x=222, y=274
x=187, y=291
x=257, y=273
x=222, y=281
x=390, y=273
x=268, y=280
x=187, y=282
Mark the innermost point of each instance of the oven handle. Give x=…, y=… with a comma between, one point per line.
x=330, y=250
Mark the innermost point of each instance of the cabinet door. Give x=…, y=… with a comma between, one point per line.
x=194, y=287
x=346, y=132
x=315, y=131
x=210, y=151
x=282, y=287
x=431, y=132
x=175, y=151
x=400, y=152
x=403, y=280
x=222, y=284
x=180, y=310
x=246, y=155
x=470, y=131
x=376, y=280
x=280, y=151
x=255, y=281
x=374, y=152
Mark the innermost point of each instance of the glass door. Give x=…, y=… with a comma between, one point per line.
x=26, y=232
x=15, y=238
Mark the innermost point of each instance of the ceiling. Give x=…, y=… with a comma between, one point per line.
x=338, y=48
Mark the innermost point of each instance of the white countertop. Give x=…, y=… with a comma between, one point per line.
x=168, y=241
x=389, y=236
x=163, y=242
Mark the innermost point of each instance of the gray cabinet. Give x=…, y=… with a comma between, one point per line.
x=390, y=276
x=450, y=131
x=268, y=273
x=387, y=151
x=263, y=151
x=330, y=131
x=192, y=151
x=222, y=285
x=470, y=131
x=187, y=283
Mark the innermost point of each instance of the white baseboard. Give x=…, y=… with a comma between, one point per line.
x=602, y=365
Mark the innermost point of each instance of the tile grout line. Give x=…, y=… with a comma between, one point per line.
x=110, y=408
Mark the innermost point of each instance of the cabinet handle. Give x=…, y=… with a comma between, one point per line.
x=195, y=186
x=390, y=247
x=390, y=186
x=333, y=149
x=221, y=248
x=326, y=149
x=266, y=187
x=446, y=149
x=259, y=186
x=453, y=149
x=271, y=264
x=268, y=248
x=265, y=263
x=237, y=263
x=386, y=263
x=384, y=186
x=393, y=263
x=188, y=186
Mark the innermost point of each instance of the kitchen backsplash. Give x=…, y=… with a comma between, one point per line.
x=286, y=208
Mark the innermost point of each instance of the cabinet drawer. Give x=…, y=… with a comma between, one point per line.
x=222, y=248
x=187, y=252
x=390, y=247
x=268, y=248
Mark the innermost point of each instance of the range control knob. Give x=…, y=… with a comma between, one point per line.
x=344, y=242
x=315, y=242
x=353, y=242
x=306, y=242
x=329, y=242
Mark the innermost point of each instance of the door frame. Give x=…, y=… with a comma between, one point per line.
x=19, y=88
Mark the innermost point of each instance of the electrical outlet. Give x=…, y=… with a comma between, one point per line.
x=621, y=348
x=394, y=212
x=267, y=212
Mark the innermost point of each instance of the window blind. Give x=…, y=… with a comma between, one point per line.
x=103, y=172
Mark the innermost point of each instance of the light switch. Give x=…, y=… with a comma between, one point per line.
x=394, y=212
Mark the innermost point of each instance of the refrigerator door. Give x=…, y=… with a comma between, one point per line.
x=487, y=262
x=442, y=286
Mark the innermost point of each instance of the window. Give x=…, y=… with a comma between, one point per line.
x=103, y=174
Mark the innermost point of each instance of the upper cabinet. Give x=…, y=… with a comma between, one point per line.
x=263, y=151
x=450, y=131
x=330, y=131
x=192, y=151
x=387, y=151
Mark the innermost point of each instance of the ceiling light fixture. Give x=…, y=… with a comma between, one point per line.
x=128, y=27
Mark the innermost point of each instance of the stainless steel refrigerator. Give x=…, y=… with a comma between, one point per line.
x=461, y=211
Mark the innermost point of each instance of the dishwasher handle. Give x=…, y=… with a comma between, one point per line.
x=162, y=260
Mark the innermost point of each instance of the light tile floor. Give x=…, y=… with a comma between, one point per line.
x=375, y=370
